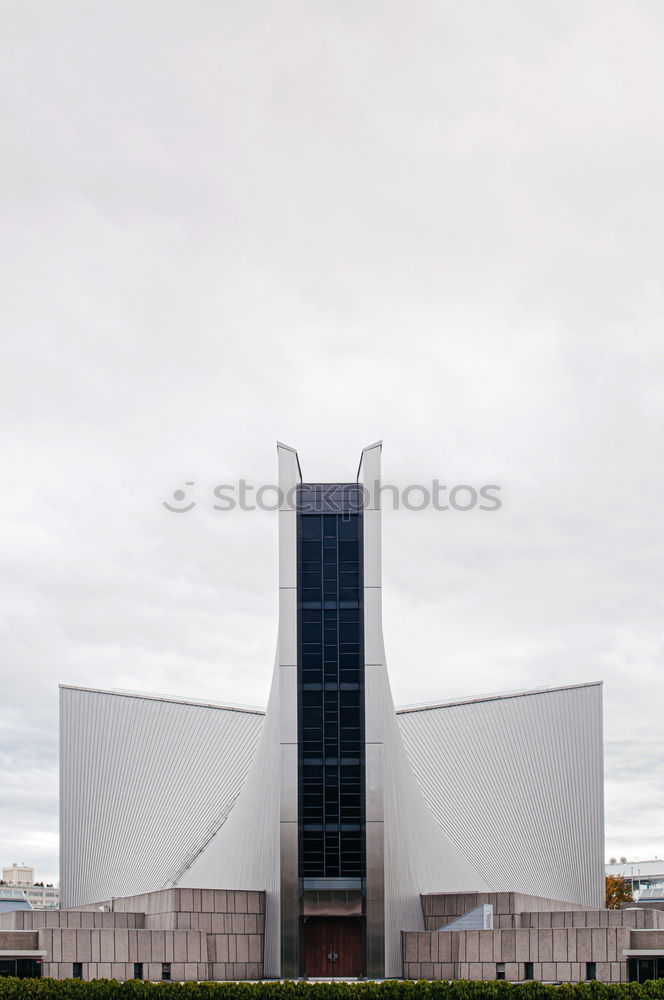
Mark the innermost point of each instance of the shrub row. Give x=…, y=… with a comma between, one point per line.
x=111, y=989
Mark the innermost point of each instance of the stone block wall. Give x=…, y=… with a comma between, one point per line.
x=12, y=940
x=595, y=918
x=440, y=909
x=35, y=919
x=201, y=933
x=106, y=953
x=648, y=940
x=558, y=954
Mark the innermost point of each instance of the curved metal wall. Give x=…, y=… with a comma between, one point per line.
x=419, y=855
x=517, y=782
x=407, y=851
x=144, y=785
x=245, y=851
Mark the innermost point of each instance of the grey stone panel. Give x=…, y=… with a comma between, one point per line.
x=558, y=954
x=107, y=944
x=510, y=909
x=648, y=939
x=619, y=972
x=508, y=945
x=121, y=946
x=71, y=919
x=161, y=921
x=255, y=949
x=560, y=948
x=604, y=972
x=522, y=945
x=179, y=946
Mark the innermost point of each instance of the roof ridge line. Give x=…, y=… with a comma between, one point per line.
x=498, y=696
x=175, y=699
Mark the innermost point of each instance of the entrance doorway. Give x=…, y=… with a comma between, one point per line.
x=333, y=946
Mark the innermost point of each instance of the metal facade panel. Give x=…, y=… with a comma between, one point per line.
x=245, y=852
x=407, y=851
x=143, y=779
x=375, y=691
x=420, y=856
x=144, y=784
x=517, y=782
x=284, y=746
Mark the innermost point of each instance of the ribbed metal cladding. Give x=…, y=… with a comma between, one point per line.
x=144, y=785
x=407, y=851
x=247, y=852
x=516, y=781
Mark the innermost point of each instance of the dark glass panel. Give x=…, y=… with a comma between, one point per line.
x=330, y=683
x=311, y=598
x=310, y=552
x=310, y=528
x=348, y=528
x=312, y=632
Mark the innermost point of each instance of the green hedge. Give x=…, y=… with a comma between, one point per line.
x=396, y=989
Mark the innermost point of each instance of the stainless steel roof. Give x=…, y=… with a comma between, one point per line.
x=514, y=780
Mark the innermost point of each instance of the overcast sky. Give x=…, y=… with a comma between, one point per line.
x=226, y=223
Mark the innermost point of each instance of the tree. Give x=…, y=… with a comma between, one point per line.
x=617, y=891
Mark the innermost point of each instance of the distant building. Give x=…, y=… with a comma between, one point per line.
x=44, y=897
x=40, y=896
x=645, y=877
x=19, y=875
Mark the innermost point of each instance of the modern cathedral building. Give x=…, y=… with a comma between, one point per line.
x=333, y=835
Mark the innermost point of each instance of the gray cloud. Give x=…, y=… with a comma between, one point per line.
x=225, y=224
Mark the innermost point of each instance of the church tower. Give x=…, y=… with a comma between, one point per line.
x=331, y=822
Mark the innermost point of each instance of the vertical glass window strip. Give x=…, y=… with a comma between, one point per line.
x=330, y=684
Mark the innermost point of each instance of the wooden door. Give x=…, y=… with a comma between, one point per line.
x=333, y=946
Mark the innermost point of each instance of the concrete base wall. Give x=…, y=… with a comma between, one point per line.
x=202, y=933
x=558, y=955
x=35, y=919
x=559, y=939
x=440, y=909
x=206, y=934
